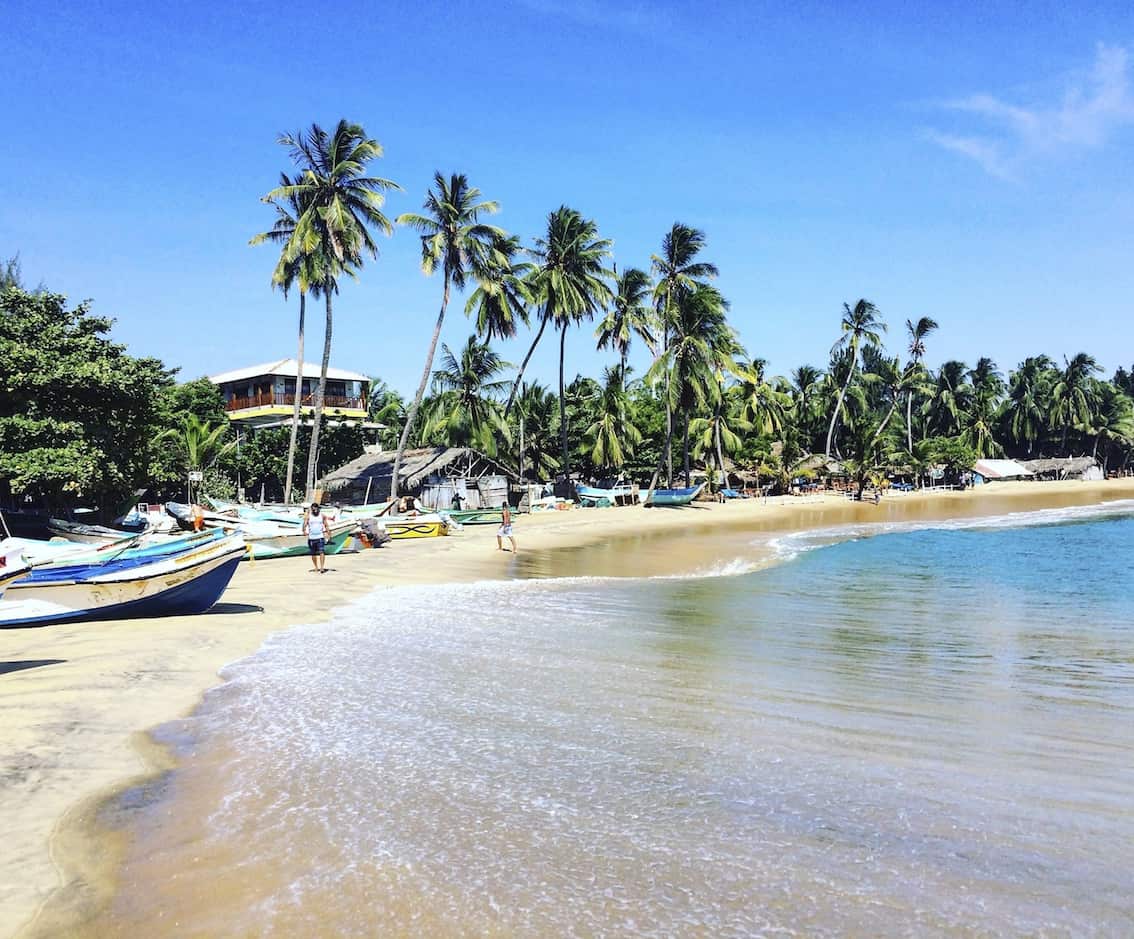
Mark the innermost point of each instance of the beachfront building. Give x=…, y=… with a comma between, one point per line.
x=433, y=475
x=264, y=395
x=987, y=471
x=1072, y=467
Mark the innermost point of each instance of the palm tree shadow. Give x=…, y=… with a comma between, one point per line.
x=6, y=667
x=223, y=608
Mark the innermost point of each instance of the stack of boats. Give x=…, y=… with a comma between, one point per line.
x=131, y=576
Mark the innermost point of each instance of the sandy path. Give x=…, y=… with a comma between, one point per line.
x=75, y=700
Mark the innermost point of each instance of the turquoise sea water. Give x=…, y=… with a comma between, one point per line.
x=900, y=730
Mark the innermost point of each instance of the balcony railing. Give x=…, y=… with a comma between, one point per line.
x=269, y=399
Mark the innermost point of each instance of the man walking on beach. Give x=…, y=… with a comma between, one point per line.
x=315, y=528
x=505, y=529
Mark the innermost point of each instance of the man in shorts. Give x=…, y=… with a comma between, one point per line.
x=315, y=528
x=505, y=529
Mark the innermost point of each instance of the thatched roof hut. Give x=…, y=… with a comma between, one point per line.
x=433, y=474
x=1072, y=467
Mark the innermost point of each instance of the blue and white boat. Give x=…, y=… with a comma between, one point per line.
x=190, y=581
x=671, y=496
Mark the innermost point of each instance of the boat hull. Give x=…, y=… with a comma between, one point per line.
x=187, y=588
x=673, y=496
x=293, y=545
x=477, y=516
x=402, y=529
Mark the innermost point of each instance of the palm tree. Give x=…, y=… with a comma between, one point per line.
x=917, y=333
x=895, y=382
x=386, y=407
x=859, y=323
x=535, y=411
x=340, y=204
x=678, y=273
x=950, y=399
x=701, y=345
x=629, y=314
x=1113, y=421
x=569, y=283
x=978, y=431
x=466, y=411
x=612, y=436
x=805, y=390
x=501, y=297
x=304, y=270
x=201, y=444
x=762, y=407
x=1073, y=395
x=1026, y=409
x=454, y=239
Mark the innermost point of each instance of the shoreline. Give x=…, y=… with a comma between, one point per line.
x=77, y=708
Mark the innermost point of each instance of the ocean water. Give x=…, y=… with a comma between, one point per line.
x=900, y=730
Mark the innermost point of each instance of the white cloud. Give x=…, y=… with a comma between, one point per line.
x=1092, y=109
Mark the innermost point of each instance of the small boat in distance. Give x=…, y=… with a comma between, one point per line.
x=617, y=493
x=475, y=516
x=671, y=496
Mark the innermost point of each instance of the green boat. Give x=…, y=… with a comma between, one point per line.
x=476, y=516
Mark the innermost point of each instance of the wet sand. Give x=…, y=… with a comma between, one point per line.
x=75, y=700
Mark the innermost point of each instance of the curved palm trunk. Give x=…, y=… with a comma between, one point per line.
x=909, y=421
x=668, y=409
x=411, y=416
x=298, y=401
x=563, y=406
x=720, y=452
x=838, y=411
x=320, y=391
x=661, y=465
x=685, y=446
x=885, y=421
x=524, y=365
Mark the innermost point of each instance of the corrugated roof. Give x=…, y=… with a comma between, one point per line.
x=1001, y=469
x=289, y=368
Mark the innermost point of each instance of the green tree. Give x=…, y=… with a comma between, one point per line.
x=536, y=422
x=454, y=239
x=340, y=203
x=78, y=416
x=501, y=298
x=678, y=274
x=629, y=315
x=466, y=410
x=198, y=445
x=1029, y=393
x=1073, y=396
x=859, y=323
x=570, y=284
x=1112, y=424
x=612, y=436
x=916, y=333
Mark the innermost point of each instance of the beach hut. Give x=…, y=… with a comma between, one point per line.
x=987, y=471
x=1072, y=467
x=433, y=475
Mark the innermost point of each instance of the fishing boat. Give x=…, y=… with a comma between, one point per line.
x=189, y=582
x=12, y=564
x=420, y=526
x=85, y=534
x=475, y=516
x=671, y=496
x=273, y=540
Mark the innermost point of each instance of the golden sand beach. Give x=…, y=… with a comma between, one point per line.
x=76, y=701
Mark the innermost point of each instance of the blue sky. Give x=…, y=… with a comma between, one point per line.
x=968, y=163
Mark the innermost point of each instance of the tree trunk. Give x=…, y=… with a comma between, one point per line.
x=909, y=421
x=298, y=400
x=838, y=410
x=882, y=427
x=685, y=446
x=668, y=408
x=320, y=392
x=524, y=365
x=661, y=465
x=720, y=453
x=411, y=416
x=563, y=406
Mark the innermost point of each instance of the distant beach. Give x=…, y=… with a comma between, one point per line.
x=76, y=701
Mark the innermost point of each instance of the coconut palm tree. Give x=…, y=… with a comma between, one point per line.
x=951, y=397
x=454, y=239
x=762, y=407
x=805, y=388
x=305, y=271
x=340, y=204
x=978, y=431
x=678, y=273
x=199, y=443
x=1113, y=421
x=535, y=414
x=630, y=314
x=501, y=298
x=570, y=284
x=1029, y=391
x=859, y=323
x=612, y=436
x=701, y=345
x=916, y=333
x=466, y=409
x=1073, y=395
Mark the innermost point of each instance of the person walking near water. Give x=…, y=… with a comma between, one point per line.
x=505, y=529
x=315, y=528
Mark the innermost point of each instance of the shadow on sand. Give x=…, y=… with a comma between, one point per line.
x=6, y=667
x=219, y=608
